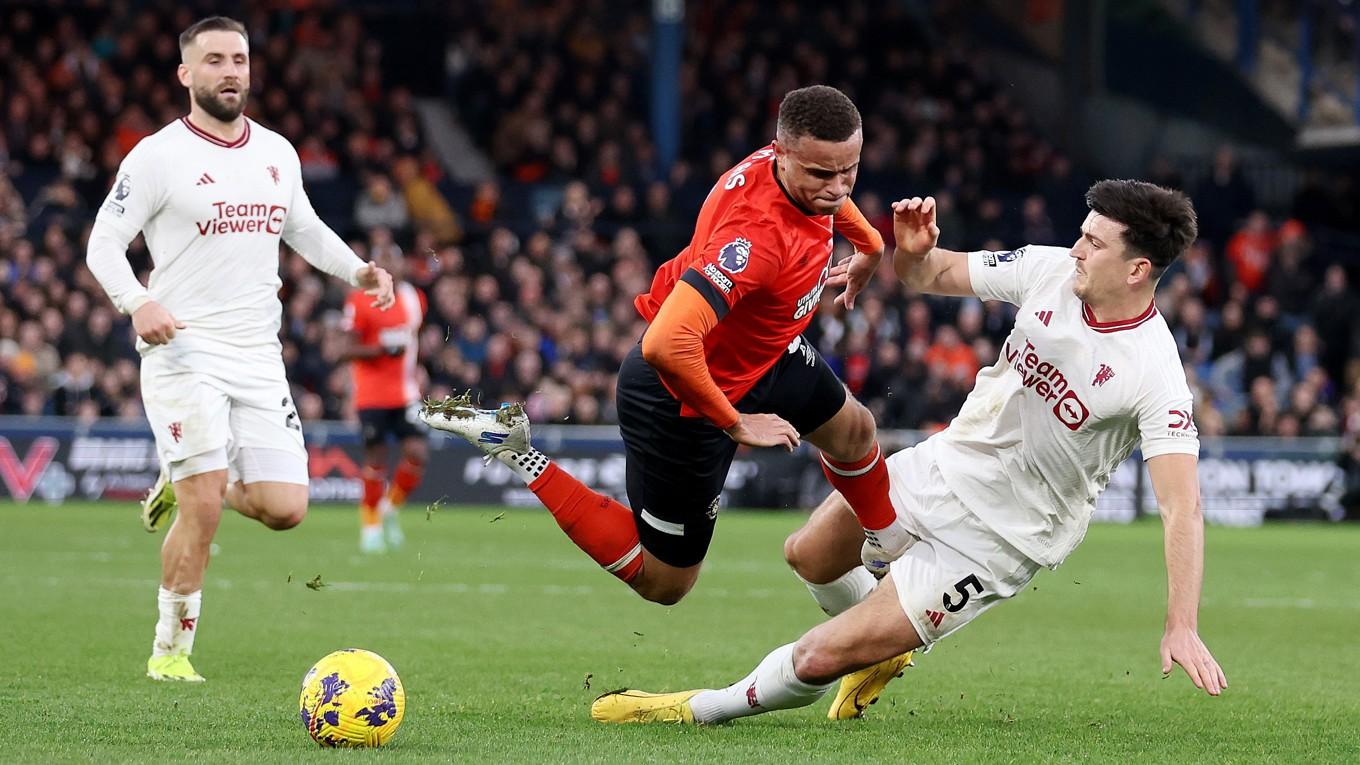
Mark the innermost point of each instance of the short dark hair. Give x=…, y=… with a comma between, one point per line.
x=1159, y=223
x=210, y=24
x=819, y=111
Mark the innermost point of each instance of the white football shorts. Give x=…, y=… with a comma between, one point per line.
x=960, y=567
x=201, y=405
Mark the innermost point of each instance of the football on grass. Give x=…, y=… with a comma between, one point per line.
x=352, y=698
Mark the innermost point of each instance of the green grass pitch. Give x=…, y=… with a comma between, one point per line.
x=503, y=633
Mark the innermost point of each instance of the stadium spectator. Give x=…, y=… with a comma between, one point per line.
x=380, y=206
x=1249, y=251
x=82, y=89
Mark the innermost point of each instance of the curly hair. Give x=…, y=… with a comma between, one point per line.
x=1159, y=223
x=819, y=111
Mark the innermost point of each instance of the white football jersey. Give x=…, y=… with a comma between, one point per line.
x=1066, y=402
x=213, y=213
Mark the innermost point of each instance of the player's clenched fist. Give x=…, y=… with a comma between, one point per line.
x=154, y=324
x=914, y=225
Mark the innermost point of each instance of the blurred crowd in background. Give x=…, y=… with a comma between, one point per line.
x=531, y=276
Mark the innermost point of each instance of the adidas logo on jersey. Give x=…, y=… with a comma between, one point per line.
x=935, y=617
x=204, y=180
x=1044, y=316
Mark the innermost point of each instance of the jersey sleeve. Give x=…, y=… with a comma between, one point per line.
x=742, y=256
x=138, y=193
x=306, y=233
x=852, y=224
x=1166, y=412
x=1012, y=276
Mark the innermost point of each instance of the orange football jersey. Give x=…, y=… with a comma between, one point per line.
x=760, y=261
x=389, y=381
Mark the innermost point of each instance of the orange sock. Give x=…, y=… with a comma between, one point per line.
x=368, y=515
x=404, y=481
x=600, y=526
x=373, y=490
x=864, y=484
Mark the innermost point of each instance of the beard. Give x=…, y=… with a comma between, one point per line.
x=217, y=108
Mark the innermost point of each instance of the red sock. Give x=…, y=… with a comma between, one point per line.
x=600, y=526
x=864, y=484
x=373, y=490
x=404, y=480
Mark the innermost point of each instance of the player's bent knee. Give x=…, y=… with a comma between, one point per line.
x=808, y=561
x=285, y=518
x=792, y=551
x=863, y=431
x=665, y=591
x=284, y=514
x=815, y=661
x=666, y=594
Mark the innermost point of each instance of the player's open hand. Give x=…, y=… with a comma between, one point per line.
x=154, y=324
x=764, y=430
x=853, y=273
x=1183, y=646
x=914, y=225
x=376, y=283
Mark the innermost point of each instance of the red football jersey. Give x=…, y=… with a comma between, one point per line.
x=760, y=261
x=386, y=382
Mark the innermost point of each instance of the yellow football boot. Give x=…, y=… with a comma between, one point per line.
x=174, y=668
x=860, y=689
x=159, y=503
x=627, y=706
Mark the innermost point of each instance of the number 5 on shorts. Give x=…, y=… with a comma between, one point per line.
x=962, y=588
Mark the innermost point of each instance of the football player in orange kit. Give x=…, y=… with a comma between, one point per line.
x=723, y=363
x=387, y=397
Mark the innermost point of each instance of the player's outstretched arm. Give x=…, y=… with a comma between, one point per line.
x=1176, y=483
x=674, y=347
x=306, y=233
x=918, y=262
x=853, y=273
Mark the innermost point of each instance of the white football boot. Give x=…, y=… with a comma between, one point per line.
x=494, y=431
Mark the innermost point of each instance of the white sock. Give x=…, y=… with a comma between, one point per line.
x=528, y=466
x=385, y=507
x=178, y=624
x=893, y=539
x=771, y=685
x=836, y=597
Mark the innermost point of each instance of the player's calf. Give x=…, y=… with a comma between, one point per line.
x=598, y=524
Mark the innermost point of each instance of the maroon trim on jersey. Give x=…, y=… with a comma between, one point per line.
x=212, y=139
x=1116, y=326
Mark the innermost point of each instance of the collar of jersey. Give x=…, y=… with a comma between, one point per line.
x=1116, y=326
x=774, y=170
x=214, y=140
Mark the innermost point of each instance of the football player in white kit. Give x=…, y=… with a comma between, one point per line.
x=213, y=193
x=1089, y=373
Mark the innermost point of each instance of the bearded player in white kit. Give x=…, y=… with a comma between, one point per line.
x=1089, y=373
x=213, y=193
